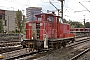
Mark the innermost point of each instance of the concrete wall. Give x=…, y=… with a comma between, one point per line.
x=10, y=17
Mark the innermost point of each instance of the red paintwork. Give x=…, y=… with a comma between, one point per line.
x=80, y=29
x=28, y=31
x=53, y=29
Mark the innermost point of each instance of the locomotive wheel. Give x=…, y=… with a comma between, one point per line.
x=72, y=41
x=57, y=46
x=64, y=44
x=24, y=46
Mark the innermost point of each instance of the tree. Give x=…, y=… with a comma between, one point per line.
x=75, y=24
x=23, y=23
x=87, y=25
x=20, y=20
x=65, y=21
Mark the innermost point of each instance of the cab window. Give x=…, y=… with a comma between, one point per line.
x=50, y=18
x=39, y=19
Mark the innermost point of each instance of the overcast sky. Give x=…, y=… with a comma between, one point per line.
x=73, y=10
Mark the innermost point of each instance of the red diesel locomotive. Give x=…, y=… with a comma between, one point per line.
x=47, y=32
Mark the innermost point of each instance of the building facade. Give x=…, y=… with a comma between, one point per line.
x=8, y=18
x=31, y=12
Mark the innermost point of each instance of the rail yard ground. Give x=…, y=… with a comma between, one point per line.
x=67, y=53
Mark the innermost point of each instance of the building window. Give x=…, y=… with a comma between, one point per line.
x=0, y=16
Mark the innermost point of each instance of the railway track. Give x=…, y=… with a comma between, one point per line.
x=10, y=48
x=31, y=55
x=17, y=54
x=63, y=55
x=8, y=44
x=79, y=41
x=80, y=54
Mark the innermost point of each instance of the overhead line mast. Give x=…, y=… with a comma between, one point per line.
x=58, y=9
x=61, y=8
x=55, y=7
x=84, y=15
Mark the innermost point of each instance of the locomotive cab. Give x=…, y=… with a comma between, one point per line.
x=46, y=32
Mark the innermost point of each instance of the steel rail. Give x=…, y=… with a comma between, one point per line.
x=80, y=54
